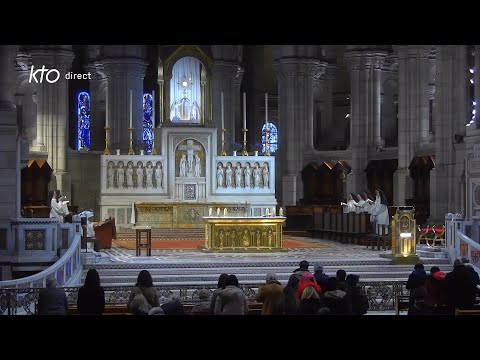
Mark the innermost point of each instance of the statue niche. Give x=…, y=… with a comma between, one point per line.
x=190, y=159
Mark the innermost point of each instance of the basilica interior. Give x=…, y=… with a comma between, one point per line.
x=165, y=136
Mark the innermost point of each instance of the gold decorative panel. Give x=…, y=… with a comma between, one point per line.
x=243, y=233
x=35, y=239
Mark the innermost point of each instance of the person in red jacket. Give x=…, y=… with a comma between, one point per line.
x=308, y=280
x=436, y=290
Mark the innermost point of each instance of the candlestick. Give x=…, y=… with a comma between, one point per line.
x=225, y=212
x=130, y=150
x=274, y=211
x=280, y=211
x=244, y=110
x=218, y=211
x=266, y=110
x=267, y=212
x=107, y=150
x=131, y=107
x=223, y=110
x=244, y=150
x=210, y=212
x=222, y=151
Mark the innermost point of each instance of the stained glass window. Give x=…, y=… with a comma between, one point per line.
x=83, y=121
x=148, y=122
x=272, y=137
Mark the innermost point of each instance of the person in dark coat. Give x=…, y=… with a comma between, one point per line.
x=303, y=267
x=356, y=295
x=310, y=302
x=144, y=286
x=52, y=300
x=341, y=280
x=91, y=297
x=416, y=279
x=173, y=306
x=336, y=299
x=320, y=277
x=420, y=307
x=289, y=302
x=461, y=287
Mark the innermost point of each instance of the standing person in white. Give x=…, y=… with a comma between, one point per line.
x=379, y=211
x=58, y=206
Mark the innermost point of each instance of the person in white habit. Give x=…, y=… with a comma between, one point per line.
x=379, y=212
x=90, y=228
x=58, y=206
x=349, y=206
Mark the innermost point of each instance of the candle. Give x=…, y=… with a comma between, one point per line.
x=244, y=110
x=267, y=212
x=266, y=110
x=210, y=212
x=218, y=211
x=131, y=107
x=280, y=211
x=223, y=110
x=225, y=212
x=273, y=211
x=106, y=107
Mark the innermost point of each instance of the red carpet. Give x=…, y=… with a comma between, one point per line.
x=129, y=244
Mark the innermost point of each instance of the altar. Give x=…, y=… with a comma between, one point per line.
x=176, y=187
x=228, y=233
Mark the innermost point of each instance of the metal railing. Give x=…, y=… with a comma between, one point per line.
x=13, y=301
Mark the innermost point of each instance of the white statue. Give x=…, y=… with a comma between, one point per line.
x=183, y=166
x=220, y=175
x=129, y=173
x=266, y=176
x=256, y=176
x=149, y=173
x=120, y=175
x=159, y=175
x=238, y=176
x=110, y=174
x=228, y=175
x=247, y=175
x=196, y=172
x=140, y=174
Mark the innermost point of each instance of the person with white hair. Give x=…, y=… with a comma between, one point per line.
x=271, y=295
x=52, y=300
x=202, y=307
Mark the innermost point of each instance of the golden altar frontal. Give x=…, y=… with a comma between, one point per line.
x=243, y=234
x=182, y=215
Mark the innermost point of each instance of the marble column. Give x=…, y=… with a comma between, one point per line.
x=227, y=78
x=378, y=61
x=359, y=68
x=476, y=80
x=52, y=112
x=125, y=73
x=9, y=143
x=98, y=83
x=424, y=92
x=295, y=88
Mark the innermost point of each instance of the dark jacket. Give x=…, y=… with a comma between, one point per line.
x=461, y=288
x=52, y=301
x=308, y=306
x=421, y=308
x=337, y=302
x=321, y=279
x=91, y=300
x=173, y=308
x=358, y=300
x=417, y=278
x=290, y=301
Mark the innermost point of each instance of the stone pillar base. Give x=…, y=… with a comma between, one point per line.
x=402, y=186
x=289, y=190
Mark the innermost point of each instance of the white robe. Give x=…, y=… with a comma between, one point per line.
x=379, y=215
x=360, y=207
x=58, y=209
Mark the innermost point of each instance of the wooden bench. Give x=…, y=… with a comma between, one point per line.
x=467, y=312
x=402, y=303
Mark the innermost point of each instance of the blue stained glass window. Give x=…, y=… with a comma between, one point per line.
x=83, y=121
x=272, y=137
x=148, y=122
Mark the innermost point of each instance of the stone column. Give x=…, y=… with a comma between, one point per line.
x=424, y=92
x=378, y=62
x=125, y=69
x=9, y=149
x=52, y=112
x=330, y=79
x=295, y=101
x=98, y=83
x=227, y=78
x=476, y=73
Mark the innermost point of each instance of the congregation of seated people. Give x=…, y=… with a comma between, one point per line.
x=305, y=293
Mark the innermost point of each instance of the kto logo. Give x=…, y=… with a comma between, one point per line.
x=51, y=75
